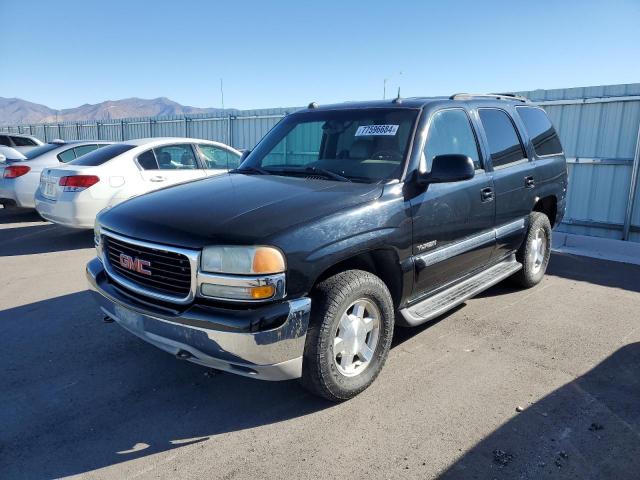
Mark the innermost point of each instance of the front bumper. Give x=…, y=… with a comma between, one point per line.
x=216, y=338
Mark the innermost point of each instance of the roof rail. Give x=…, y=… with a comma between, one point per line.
x=499, y=96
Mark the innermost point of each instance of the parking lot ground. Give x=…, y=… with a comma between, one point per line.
x=79, y=397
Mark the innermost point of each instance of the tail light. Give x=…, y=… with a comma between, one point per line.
x=15, y=171
x=77, y=183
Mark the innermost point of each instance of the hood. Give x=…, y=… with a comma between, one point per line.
x=232, y=209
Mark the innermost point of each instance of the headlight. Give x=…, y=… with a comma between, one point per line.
x=233, y=273
x=242, y=260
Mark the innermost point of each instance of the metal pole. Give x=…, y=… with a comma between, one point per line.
x=59, y=132
x=44, y=130
x=122, y=130
x=632, y=190
x=186, y=127
x=98, y=130
x=229, y=130
x=77, y=131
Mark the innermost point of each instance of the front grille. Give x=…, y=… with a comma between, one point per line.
x=170, y=271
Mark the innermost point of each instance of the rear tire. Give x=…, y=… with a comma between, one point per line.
x=534, y=252
x=349, y=336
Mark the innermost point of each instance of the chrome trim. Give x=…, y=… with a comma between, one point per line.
x=509, y=228
x=463, y=246
x=192, y=255
x=277, y=280
x=458, y=248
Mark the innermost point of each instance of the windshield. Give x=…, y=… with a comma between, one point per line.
x=36, y=152
x=349, y=145
x=101, y=155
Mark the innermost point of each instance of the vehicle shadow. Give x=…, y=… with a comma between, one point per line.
x=43, y=238
x=600, y=272
x=588, y=428
x=581, y=269
x=18, y=215
x=78, y=394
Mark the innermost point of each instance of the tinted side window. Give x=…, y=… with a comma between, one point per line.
x=216, y=157
x=176, y=157
x=4, y=140
x=67, y=156
x=23, y=142
x=543, y=136
x=147, y=160
x=450, y=133
x=504, y=143
x=85, y=149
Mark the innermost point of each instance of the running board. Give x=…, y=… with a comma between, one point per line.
x=438, y=304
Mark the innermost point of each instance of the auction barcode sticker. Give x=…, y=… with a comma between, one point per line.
x=368, y=130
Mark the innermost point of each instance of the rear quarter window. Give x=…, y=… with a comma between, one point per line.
x=67, y=156
x=540, y=130
x=102, y=155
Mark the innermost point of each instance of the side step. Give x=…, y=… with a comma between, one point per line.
x=438, y=304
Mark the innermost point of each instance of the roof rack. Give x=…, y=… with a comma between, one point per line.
x=499, y=96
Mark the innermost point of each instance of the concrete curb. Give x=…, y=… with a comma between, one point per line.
x=596, y=247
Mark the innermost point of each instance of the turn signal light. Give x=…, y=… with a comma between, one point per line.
x=16, y=171
x=75, y=183
x=261, y=293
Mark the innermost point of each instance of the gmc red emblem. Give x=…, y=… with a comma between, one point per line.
x=135, y=264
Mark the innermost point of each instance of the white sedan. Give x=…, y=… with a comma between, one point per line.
x=73, y=195
x=19, y=180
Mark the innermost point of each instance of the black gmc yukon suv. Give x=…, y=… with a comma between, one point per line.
x=344, y=221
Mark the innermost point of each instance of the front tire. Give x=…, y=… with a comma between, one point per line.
x=534, y=252
x=349, y=336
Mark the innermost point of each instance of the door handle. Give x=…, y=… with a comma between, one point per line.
x=486, y=194
x=158, y=178
x=529, y=182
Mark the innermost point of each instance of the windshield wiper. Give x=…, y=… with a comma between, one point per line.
x=251, y=169
x=328, y=173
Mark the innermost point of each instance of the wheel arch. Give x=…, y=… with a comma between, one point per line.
x=549, y=206
x=383, y=263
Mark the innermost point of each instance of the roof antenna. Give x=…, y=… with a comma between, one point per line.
x=398, y=99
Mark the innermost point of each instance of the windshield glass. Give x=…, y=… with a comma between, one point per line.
x=36, y=152
x=357, y=145
x=101, y=155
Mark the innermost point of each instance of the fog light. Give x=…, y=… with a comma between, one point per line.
x=237, y=293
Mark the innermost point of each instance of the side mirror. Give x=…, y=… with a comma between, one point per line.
x=449, y=168
x=2, y=158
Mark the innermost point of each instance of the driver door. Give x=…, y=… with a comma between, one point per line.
x=452, y=222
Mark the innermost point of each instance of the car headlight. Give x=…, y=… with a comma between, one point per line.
x=242, y=273
x=242, y=260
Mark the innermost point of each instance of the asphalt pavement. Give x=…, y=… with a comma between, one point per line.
x=539, y=383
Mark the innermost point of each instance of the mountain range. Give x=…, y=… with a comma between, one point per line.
x=15, y=111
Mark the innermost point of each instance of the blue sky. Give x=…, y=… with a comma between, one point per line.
x=287, y=53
